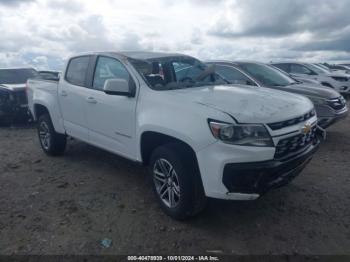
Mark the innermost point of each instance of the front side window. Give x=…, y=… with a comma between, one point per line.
x=232, y=75
x=77, y=70
x=176, y=72
x=108, y=68
x=300, y=69
x=266, y=75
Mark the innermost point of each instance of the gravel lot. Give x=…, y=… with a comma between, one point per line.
x=67, y=205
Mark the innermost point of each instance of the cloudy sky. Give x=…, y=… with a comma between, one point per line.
x=43, y=33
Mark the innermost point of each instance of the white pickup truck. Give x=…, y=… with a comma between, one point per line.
x=199, y=136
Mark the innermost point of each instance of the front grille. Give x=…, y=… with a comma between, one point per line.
x=288, y=146
x=292, y=122
x=337, y=103
x=20, y=97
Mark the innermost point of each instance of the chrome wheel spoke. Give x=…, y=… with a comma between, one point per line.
x=176, y=189
x=159, y=176
x=166, y=183
x=164, y=193
x=162, y=167
x=44, y=135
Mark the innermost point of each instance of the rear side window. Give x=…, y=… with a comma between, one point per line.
x=283, y=67
x=77, y=70
x=300, y=69
x=233, y=75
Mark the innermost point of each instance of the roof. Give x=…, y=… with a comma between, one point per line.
x=233, y=62
x=17, y=68
x=140, y=55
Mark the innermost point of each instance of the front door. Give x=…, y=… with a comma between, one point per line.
x=111, y=118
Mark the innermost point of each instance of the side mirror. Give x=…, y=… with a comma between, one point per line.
x=119, y=87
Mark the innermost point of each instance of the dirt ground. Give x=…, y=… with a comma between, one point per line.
x=69, y=204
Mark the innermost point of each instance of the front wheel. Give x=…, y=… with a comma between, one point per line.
x=176, y=182
x=51, y=142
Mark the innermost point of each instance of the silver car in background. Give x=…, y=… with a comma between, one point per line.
x=336, y=80
x=329, y=104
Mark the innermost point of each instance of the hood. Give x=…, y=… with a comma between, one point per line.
x=13, y=87
x=310, y=90
x=248, y=104
x=306, y=80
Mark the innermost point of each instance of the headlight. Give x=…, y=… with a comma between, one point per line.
x=243, y=135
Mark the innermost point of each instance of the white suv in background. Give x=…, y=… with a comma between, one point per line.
x=336, y=80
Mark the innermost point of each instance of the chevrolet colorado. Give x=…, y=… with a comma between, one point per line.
x=199, y=137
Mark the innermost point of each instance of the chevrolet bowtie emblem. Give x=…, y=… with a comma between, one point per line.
x=306, y=129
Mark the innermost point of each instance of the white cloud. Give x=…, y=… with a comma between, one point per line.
x=32, y=31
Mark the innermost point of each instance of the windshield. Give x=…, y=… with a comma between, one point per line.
x=317, y=69
x=16, y=76
x=267, y=75
x=176, y=72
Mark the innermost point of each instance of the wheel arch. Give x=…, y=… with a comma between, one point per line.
x=41, y=108
x=150, y=140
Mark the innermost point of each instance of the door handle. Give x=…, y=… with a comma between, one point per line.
x=64, y=93
x=91, y=100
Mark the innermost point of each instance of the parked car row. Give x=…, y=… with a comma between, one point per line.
x=336, y=80
x=329, y=104
x=221, y=129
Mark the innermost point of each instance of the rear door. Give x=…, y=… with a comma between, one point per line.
x=111, y=118
x=72, y=97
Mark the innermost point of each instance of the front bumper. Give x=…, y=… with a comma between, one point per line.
x=244, y=173
x=13, y=104
x=327, y=119
x=260, y=177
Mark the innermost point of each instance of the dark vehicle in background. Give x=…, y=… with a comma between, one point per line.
x=49, y=75
x=329, y=104
x=13, y=97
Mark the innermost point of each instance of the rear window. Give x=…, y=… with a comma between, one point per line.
x=77, y=70
x=16, y=76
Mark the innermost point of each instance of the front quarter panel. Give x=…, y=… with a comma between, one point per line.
x=166, y=113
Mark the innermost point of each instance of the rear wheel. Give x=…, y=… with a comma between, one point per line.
x=176, y=182
x=51, y=142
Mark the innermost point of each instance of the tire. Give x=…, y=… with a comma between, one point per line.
x=52, y=143
x=179, y=192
